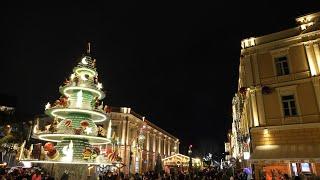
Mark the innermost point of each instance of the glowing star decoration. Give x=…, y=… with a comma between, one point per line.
x=83, y=61
x=109, y=130
x=99, y=86
x=72, y=76
x=48, y=105
x=67, y=152
x=88, y=130
x=79, y=99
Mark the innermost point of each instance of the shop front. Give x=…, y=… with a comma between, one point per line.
x=294, y=160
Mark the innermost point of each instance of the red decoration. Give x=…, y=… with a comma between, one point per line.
x=112, y=156
x=63, y=101
x=52, y=154
x=96, y=150
x=84, y=123
x=68, y=123
x=48, y=146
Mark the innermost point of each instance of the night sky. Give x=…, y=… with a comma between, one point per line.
x=174, y=62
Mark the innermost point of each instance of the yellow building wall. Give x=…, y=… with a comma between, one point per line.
x=317, y=168
x=265, y=65
x=286, y=136
x=272, y=109
x=307, y=102
x=297, y=58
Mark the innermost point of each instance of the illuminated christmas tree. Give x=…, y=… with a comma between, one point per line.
x=75, y=116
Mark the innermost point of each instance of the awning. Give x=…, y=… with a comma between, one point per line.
x=308, y=152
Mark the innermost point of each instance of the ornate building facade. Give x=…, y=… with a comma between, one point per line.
x=276, y=112
x=140, y=150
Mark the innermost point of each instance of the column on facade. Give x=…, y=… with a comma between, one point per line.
x=148, y=142
x=247, y=115
x=317, y=54
x=159, y=145
x=260, y=104
x=169, y=150
x=316, y=86
x=128, y=133
x=248, y=71
x=123, y=136
x=254, y=107
x=255, y=69
x=154, y=150
x=148, y=149
x=164, y=145
x=154, y=143
x=312, y=60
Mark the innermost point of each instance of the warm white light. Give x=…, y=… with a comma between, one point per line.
x=125, y=110
x=99, y=86
x=248, y=42
x=79, y=99
x=66, y=89
x=27, y=164
x=265, y=131
x=246, y=155
x=22, y=149
x=267, y=147
x=79, y=70
x=72, y=76
x=47, y=106
x=73, y=162
x=88, y=130
x=58, y=138
x=83, y=61
x=59, y=113
x=109, y=130
x=305, y=26
x=68, y=152
x=36, y=127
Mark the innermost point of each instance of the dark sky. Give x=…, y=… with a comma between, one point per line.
x=174, y=62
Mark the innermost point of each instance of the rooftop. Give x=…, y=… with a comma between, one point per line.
x=306, y=24
x=127, y=110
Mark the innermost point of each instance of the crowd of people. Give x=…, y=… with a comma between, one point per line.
x=20, y=173
x=209, y=173
x=35, y=173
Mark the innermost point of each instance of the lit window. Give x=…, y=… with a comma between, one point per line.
x=305, y=167
x=294, y=169
x=289, y=105
x=282, y=67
